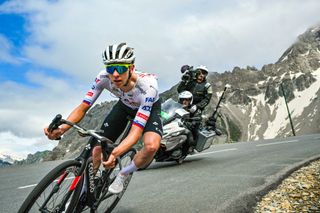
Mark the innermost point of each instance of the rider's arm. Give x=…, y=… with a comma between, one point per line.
x=76, y=115
x=131, y=139
x=91, y=96
x=79, y=112
x=205, y=101
x=183, y=86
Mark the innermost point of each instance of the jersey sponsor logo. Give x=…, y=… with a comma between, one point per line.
x=143, y=116
x=93, y=87
x=97, y=80
x=90, y=94
x=149, y=99
x=147, y=108
x=142, y=75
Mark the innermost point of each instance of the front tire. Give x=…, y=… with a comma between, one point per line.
x=54, y=187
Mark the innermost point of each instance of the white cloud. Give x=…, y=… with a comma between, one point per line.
x=70, y=35
x=21, y=146
x=26, y=110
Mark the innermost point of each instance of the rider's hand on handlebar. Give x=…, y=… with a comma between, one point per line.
x=110, y=163
x=56, y=133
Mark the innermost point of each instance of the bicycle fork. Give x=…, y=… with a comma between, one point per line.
x=61, y=206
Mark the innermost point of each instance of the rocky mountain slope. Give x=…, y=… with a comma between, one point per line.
x=254, y=107
x=7, y=159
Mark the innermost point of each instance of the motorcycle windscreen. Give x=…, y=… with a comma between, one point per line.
x=168, y=109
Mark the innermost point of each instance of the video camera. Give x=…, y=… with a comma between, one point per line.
x=188, y=73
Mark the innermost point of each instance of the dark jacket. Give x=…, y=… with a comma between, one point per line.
x=201, y=92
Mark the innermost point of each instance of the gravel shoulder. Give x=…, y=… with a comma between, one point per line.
x=299, y=192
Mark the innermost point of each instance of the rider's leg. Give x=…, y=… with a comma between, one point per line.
x=113, y=125
x=151, y=138
x=151, y=141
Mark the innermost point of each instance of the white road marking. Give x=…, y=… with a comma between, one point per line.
x=276, y=143
x=28, y=186
x=207, y=153
x=33, y=185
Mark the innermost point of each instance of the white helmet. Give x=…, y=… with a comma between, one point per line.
x=185, y=95
x=118, y=53
x=203, y=68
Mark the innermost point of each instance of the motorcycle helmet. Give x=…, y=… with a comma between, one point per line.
x=185, y=95
x=202, y=69
x=118, y=53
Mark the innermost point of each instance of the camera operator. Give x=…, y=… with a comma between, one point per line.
x=195, y=82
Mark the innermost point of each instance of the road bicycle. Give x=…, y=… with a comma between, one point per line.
x=72, y=186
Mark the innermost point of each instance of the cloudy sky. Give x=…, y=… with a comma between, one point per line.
x=50, y=50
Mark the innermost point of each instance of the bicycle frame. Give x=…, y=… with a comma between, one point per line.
x=86, y=170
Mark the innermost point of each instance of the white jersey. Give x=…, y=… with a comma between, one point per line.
x=140, y=97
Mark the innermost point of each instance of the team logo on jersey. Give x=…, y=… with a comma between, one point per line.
x=90, y=94
x=149, y=99
x=143, y=116
x=147, y=108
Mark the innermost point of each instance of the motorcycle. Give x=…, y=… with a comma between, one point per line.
x=176, y=135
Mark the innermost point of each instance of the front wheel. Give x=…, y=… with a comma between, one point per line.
x=108, y=200
x=56, y=191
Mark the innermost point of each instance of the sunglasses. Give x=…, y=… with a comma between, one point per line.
x=185, y=99
x=120, y=68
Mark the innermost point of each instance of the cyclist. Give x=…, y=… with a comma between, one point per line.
x=138, y=98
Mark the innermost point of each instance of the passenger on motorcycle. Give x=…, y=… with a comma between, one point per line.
x=186, y=99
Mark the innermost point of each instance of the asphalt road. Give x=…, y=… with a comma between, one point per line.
x=225, y=178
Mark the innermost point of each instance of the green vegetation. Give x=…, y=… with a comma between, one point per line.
x=235, y=132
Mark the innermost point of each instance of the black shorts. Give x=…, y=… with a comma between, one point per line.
x=117, y=120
